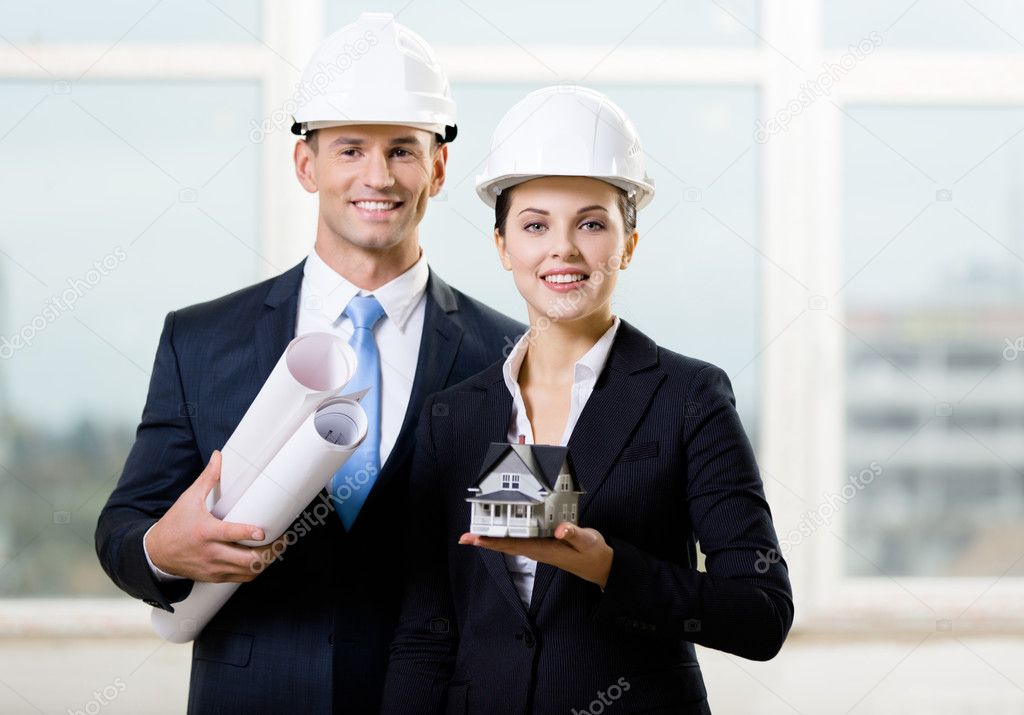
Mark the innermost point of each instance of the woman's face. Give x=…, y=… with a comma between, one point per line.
x=565, y=243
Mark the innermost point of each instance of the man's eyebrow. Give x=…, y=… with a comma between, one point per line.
x=356, y=141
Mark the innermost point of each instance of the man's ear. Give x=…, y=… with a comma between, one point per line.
x=499, y=242
x=627, y=251
x=305, y=166
x=440, y=167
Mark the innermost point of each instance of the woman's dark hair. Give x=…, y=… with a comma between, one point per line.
x=627, y=206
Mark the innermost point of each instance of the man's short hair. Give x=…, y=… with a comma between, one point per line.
x=314, y=144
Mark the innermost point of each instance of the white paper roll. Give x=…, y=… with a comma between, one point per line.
x=313, y=367
x=300, y=469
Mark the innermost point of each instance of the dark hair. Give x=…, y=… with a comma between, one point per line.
x=627, y=206
x=314, y=144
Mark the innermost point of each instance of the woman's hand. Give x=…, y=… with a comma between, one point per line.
x=582, y=552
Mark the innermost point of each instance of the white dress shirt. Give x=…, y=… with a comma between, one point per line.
x=585, y=374
x=324, y=294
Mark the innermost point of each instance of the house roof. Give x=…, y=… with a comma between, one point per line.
x=543, y=460
x=505, y=496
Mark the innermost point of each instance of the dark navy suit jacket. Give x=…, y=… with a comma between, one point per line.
x=665, y=463
x=311, y=633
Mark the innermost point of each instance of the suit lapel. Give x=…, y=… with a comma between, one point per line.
x=276, y=327
x=619, y=401
x=492, y=426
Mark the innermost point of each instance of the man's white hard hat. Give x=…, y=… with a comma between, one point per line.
x=565, y=130
x=375, y=71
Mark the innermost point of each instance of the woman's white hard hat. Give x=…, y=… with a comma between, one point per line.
x=565, y=130
x=374, y=71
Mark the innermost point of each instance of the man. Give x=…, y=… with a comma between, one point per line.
x=310, y=632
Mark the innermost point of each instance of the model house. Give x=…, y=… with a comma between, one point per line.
x=524, y=490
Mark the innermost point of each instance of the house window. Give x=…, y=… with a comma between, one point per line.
x=509, y=481
x=520, y=511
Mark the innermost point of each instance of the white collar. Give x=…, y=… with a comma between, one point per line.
x=399, y=296
x=588, y=366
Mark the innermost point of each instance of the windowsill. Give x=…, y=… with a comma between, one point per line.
x=124, y=618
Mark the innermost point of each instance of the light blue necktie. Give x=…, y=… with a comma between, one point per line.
x=352, y=483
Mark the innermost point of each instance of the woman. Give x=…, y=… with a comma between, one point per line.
x=605, y=614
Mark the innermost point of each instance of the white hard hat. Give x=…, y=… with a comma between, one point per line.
x=565, y=130
x=375, y=71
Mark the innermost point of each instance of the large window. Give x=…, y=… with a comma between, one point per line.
x=837, y=225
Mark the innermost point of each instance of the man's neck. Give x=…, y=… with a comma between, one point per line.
x=365, y=268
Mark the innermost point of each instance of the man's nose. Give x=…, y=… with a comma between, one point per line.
x=378, y=173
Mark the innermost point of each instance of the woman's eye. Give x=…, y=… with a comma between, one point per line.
x=592, y=225
x=534, y=227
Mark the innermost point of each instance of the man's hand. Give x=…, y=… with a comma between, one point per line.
x=582, y=552
x=190, y=542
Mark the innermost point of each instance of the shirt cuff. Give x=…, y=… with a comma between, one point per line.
x=160, y=575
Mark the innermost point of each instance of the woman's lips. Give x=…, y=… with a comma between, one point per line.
x=574, y=282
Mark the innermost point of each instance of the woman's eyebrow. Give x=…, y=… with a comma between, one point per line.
x=536, y=211
x=593, y=207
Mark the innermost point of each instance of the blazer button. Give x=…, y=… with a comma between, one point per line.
x=330, y=639
x=528, y=639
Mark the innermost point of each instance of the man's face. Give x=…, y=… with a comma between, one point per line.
x=374, y=181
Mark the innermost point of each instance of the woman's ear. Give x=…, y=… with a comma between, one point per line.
x=499, y=242
x=627, y=251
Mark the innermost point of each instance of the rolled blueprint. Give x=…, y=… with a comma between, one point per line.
x=296, y=473
x=313, y=367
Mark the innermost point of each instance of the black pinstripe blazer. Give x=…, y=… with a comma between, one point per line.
x=664, y=461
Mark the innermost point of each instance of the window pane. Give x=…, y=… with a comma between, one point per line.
x=933, y=247
x=987, y=25
x=45, y=21
x=699, y=227
x=129, y=200
x=534, y=23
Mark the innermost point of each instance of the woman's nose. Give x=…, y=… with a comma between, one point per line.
x=563, y=243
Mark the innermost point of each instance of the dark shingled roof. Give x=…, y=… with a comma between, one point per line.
x=543, y=460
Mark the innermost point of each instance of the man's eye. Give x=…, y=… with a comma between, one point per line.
x=401, y=153
x=348, y=152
